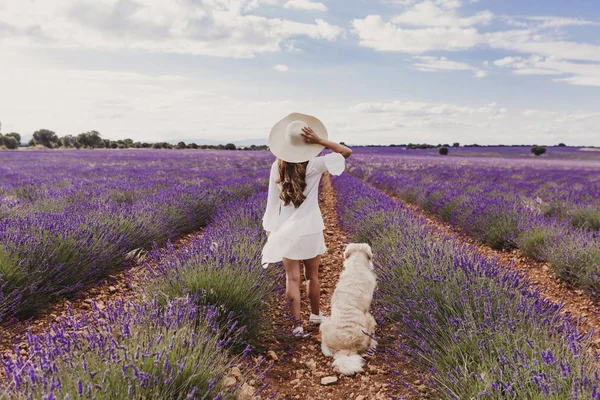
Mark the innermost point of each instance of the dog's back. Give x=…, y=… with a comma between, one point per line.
x=345, y=334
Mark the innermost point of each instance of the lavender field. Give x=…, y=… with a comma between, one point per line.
x=547, y=207
x=479, y=331
x=68, y=218
x=472, y=328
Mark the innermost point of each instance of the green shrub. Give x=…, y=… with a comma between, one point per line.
x=443, y=151
x=588, y=218
x=538, y=150
x=533, y=242
x=577, y=262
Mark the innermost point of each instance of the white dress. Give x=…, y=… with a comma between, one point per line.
x=297, y=233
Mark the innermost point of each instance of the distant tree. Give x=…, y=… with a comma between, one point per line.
x=91, y=140
x=443, y=151
x=9, y=142
x=192, y=146
x=445, y=145
x=538, y=150
x=45, y=137
x=230, y=146
x=15, y=135
x=107, y=143
x=146, y=145
x=562, y=145
x=412, y=146
x=114, y=145
x=181, y=145
x=455, y=144
x=67, y=141
x=137, y=145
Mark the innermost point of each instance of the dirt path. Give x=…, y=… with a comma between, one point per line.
x=299, y=364
x=577, y=304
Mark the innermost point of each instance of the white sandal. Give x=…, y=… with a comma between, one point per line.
x=299, y=332
x=316, y=319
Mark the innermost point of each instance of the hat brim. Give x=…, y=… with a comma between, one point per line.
x=296, y=153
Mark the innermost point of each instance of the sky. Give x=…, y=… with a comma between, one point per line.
x=374, y=71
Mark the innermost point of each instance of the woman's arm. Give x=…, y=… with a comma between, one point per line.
x=311, y=137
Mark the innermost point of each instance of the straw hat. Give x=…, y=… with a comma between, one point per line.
x=287, y=143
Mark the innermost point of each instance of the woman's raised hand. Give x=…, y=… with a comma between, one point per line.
x=310, y=137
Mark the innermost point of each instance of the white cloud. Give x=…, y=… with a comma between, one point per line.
x=557, y=22
x=532, y=42
x=587, y=74
x=281, y=68
x=421, y=109
x=435, y=25
x=305, y=5
x=210, y=27
x=424, y=26
x=428, y=13
x=380, y=35
x=506, y=61
x=429, y=64
x=436, y=64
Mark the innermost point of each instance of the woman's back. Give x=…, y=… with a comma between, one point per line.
x=287, y=223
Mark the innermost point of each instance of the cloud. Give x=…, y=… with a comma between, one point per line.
x=557, y=22
x=281, y=68
x=438, y=25
x=506, y=61
x=421, y=109
x=429, y=13
x=436, y=64
x=305, y=5
x=428, y=64
x=423, y=26
x=584, y=74
x=209, y=27
x=380, y=35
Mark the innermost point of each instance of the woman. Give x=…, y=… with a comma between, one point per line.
x=293, y=220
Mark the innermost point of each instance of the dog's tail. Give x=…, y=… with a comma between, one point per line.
x=348, y=364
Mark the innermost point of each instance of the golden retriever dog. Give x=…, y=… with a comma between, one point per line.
x=346, y=334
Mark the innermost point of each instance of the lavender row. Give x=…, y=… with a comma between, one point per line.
x=191, y=341
x=222, y=266
x=62, y=236
x=478, y=330
x=566, y=189
x=520, y=152
x=549, y=210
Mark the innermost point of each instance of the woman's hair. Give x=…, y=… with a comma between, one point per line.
x=292, y=177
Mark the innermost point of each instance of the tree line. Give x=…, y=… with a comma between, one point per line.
x=93, y=140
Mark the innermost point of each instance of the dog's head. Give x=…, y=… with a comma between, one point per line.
x=361, y=248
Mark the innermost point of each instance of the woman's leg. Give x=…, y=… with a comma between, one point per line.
x=311, y=272
x=292, y=285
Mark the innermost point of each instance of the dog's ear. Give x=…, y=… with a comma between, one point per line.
x=350, y=248
x=368, y=251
